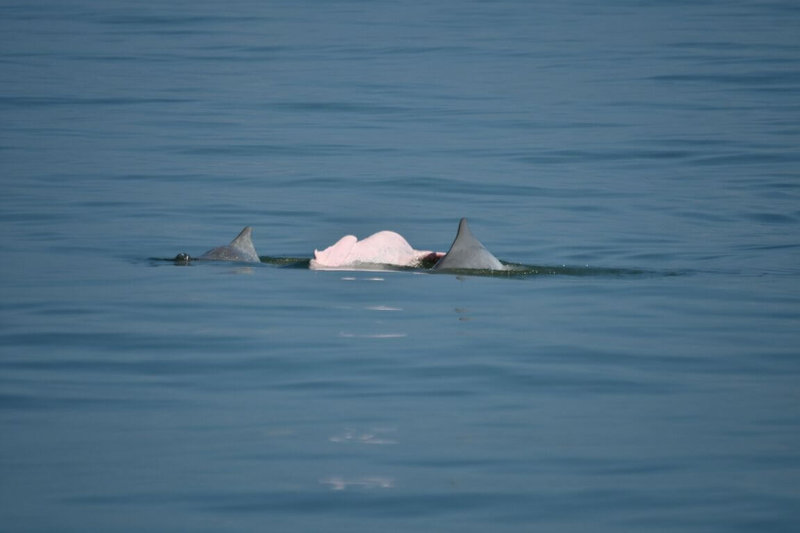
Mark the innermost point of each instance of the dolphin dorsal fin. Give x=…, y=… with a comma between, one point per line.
x=243, y=243
x=467, y=252
x=244, y=239
x=240, y=249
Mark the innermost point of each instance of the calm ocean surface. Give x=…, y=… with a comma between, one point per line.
x=654, y=146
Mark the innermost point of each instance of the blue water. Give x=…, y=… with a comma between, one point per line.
x=651, y=147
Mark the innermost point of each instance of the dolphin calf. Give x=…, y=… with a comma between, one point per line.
x=240, y=249
x=467, y=252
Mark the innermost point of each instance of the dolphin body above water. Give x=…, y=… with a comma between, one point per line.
x=240, y=249
x=382, y=248
x=467, y=253
x=391, y=249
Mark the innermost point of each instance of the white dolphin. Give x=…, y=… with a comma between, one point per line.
x=382, y=248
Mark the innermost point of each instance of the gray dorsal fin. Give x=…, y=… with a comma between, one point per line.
x=467, y=252
x=240, y=249
x=245, y=239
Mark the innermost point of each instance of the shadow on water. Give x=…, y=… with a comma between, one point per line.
x=514, y=270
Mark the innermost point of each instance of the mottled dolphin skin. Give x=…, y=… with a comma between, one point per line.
x=467, y=252
x=240, y=249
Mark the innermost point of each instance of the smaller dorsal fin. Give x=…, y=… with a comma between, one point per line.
x=240, y=249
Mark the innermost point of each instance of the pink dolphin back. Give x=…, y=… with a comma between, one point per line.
x=382, y=248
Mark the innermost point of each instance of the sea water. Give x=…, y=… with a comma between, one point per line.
x=645, y=154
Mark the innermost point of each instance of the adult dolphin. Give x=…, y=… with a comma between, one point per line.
x=467, y=252
x=240, y=249
x=382, y=248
